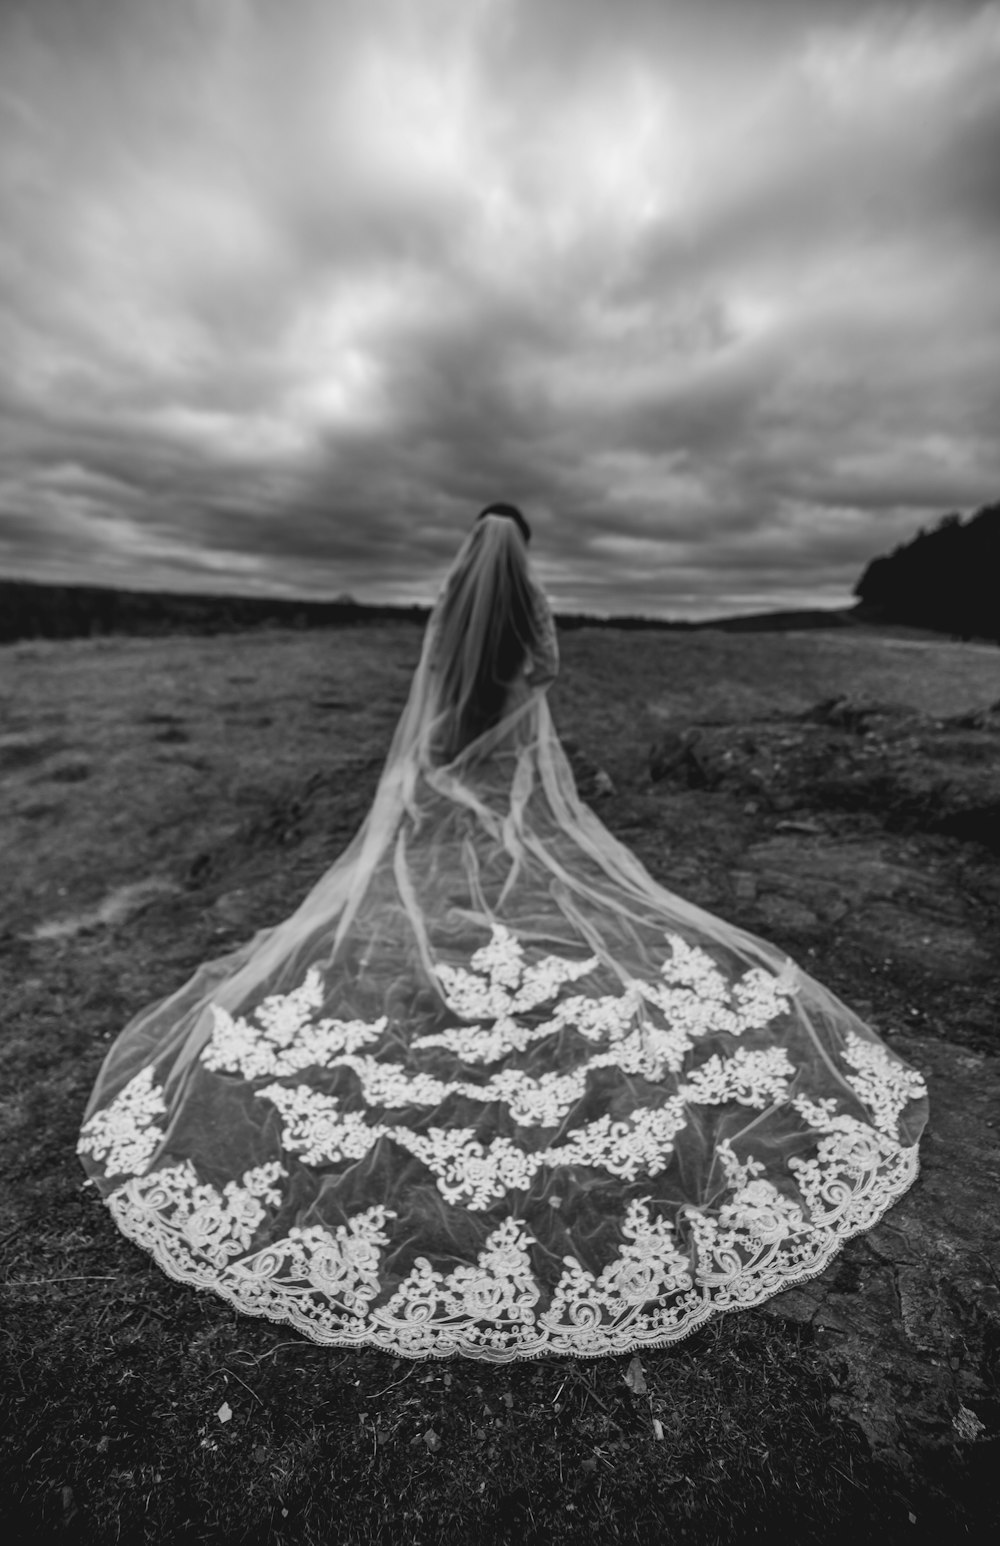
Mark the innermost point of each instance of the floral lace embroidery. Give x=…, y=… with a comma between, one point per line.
x=759, y=997
x=610, y=1015
x=648, y=1051
x=315, y=1127
x=693, y=997
x=341, y=1264
x=124, y=1135
x=699, y=1009
x=468, y=1173
x=429, y=1308
x=542, y=1102
x=847, y=1154
x=475, y=1175
x=389, y=1085
x=641, y=1143
x=284, y=1040
x=215, y=1226
x=651, y=1294
x=648, y=1268
x=882, y=1084
x=751, y=1078
x=660, y=1285
x=500, y=985
x=476, y=1044
x=534, y=1102
x=757, y=1224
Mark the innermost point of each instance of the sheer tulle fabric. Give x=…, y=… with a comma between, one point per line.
x=492, y=1090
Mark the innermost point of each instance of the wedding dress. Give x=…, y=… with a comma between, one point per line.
x=492, y=1090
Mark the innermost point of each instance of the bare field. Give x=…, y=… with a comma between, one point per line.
x=120, y=756
x=163, y=798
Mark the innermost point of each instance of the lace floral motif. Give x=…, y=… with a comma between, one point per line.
x=642, y=1143
x=541, y=1102
x=631, y=1291
x=492, y=1302
x=534, y=1102
x=611, y=1015
x=315, y=1127
x=124, y=1135
x=849, y=1152
x=284, y=1040
x=390, y=1085
x=652, y=1293
x=172, y=1212
x=342, y=1264
x=476, y=1044
x=772, y=1227
x=757, y=1230
x=594, y=1018
x=693, y=996
x=467, y=1172
x=752, y=1078
x=881, y=1083
x=500, y=985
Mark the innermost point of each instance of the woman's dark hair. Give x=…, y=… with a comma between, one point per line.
x=512, y=513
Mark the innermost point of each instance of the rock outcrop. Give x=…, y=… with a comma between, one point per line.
x=917, y=774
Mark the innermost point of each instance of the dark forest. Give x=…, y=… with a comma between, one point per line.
x=947, y=578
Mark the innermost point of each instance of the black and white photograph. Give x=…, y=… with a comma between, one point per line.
x=499, y=772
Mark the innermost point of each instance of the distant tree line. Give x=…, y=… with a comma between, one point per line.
x=29, y=610
x=34, y=610
x=946, y=578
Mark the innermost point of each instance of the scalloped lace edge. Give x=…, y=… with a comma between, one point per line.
x=744, y=1293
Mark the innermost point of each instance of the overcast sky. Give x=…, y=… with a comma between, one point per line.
x=290, y=288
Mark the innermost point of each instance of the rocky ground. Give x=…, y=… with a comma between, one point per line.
x=839, y=795
x=879, y=862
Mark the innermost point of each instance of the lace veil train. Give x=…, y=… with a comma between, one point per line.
x=492, y=1089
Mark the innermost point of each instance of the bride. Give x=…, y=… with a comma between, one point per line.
x=492, y=1090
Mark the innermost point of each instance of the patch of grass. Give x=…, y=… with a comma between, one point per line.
x=118, y=1394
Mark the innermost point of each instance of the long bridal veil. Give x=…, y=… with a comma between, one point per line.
x=492, y=1089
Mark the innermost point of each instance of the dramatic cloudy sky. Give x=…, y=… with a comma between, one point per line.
x=288, y=288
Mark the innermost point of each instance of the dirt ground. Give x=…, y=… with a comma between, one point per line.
x=160, y=799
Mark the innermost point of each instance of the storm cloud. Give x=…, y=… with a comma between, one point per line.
x=287, y=291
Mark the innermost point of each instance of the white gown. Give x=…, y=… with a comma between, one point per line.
x=493, y=1090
